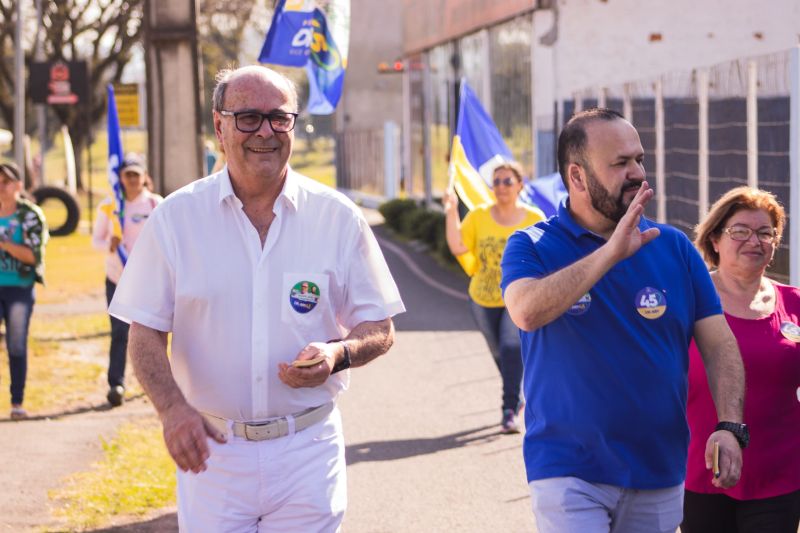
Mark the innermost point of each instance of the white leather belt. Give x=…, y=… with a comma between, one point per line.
x=275, y=428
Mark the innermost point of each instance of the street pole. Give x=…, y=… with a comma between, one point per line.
x=41, y=109
x=19, y=95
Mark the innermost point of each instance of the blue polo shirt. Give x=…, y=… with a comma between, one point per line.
x=605, y=383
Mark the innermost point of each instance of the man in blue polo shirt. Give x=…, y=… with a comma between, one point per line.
x=608, y=302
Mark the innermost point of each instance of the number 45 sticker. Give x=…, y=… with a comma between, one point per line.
x=651, y=303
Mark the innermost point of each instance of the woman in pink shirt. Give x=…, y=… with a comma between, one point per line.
x=739, y=237
x=107, y=235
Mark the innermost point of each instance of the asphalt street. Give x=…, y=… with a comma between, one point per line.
x=424, y=450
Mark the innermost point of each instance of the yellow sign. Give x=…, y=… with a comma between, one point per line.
x=127, y=97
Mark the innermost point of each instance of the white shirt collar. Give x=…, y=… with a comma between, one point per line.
x=288, y=194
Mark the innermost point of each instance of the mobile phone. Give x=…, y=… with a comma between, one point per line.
x=305, y=363
x=715, y=462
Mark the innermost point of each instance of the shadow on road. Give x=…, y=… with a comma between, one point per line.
x=79, y=410
x=167, y=523
x=389, y=450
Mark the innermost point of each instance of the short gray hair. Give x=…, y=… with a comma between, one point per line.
x=224, y=76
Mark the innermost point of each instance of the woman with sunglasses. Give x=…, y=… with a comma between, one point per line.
x=738, y=238
x=23, y=234
x=478, y=243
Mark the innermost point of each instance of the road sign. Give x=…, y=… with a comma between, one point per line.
x=127, y=97
x=59, y=82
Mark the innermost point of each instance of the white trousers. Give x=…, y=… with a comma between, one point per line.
x=572, y=505
x=295, y=483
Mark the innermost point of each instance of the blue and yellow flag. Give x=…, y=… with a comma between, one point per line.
x=478, y=148
x=114, y=161
x=300, y=36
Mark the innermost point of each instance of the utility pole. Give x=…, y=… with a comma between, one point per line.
x=19, y=94
x=175, y=154
x=41, y=109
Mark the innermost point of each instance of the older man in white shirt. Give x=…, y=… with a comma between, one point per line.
x=257, y=271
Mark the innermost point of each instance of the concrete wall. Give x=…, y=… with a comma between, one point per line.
x=369, y=98
x=614, y=41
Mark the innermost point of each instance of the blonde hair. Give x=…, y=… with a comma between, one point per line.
x=739, y=199
x=513, y=166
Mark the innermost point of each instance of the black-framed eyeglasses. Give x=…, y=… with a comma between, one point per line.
x=743, y=233
x=250, y=121
x=508, y=182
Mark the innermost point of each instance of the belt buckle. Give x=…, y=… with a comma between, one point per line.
x=265, y=431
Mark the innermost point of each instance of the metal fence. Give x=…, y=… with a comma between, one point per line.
x=708, y=130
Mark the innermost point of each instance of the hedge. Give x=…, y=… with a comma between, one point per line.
x=412, y=221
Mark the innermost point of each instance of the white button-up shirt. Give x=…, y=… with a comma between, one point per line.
x=236, y=309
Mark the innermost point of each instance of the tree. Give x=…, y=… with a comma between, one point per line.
x=220, y=27
x=103, y=33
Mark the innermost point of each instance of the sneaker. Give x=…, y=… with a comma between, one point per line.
x=116, y=395
x=509, y=422
x=18, y=413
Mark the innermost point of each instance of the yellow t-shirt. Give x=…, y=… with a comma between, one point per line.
x=486, y=240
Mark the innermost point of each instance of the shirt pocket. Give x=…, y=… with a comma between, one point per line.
x=306, y=300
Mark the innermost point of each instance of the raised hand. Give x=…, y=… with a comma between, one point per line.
x=627, y=239
x=450, y=200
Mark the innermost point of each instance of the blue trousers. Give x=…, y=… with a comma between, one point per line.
x=502, y=336
x=117, y=354
x=16, y=306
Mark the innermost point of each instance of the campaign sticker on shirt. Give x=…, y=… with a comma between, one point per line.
x=581, y=306
x=651, y=303
x=791, y=331
x=304, y=296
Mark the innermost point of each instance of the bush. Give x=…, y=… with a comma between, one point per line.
x=415, y=222
x=425, y=225
x=395, y=211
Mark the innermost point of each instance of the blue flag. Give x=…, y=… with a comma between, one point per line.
x=300, y=36
x=289, y=36
x=114, y=161
x=325, y=69
x=546, y=193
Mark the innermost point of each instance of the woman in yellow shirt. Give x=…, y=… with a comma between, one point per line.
x=478, y=243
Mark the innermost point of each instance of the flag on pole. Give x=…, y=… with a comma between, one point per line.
x=325, y=68
x=289, y=36
x=478, y=148
x=114, y=161
x=300, y=36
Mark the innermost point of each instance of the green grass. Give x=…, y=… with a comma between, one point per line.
x=73, y=270
x=317, y=164
x=55, y=161
x=135, y=476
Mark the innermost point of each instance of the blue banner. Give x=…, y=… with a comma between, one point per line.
x=546, y=193
x=289, y=37
x=325, y=69
x=301, y=37
x=114, y=161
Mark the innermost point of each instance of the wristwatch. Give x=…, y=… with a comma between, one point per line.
x=344, y=364
x=739, y=431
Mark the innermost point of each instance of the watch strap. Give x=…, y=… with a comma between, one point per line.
x=738, y=430
x=344, y=364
